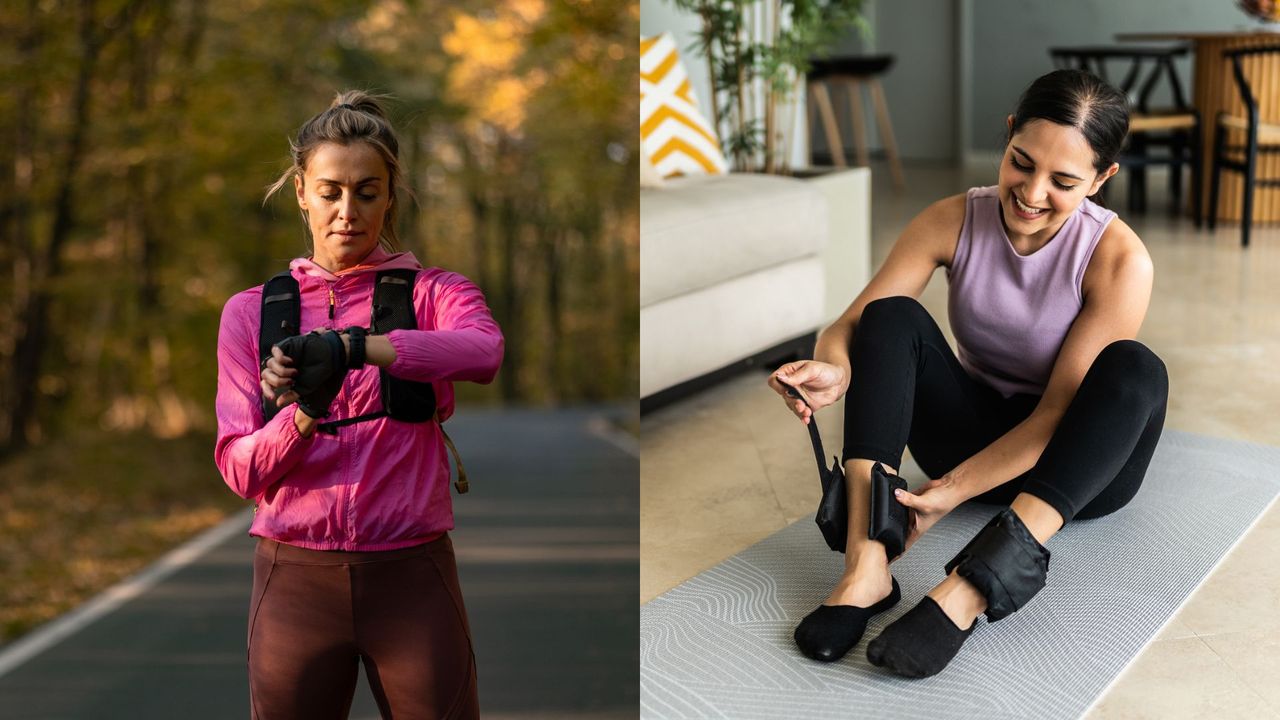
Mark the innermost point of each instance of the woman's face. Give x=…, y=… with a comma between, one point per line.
x=345, y=194
x=1047, y=171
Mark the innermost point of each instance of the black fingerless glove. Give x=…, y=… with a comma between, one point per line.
x=321, y=363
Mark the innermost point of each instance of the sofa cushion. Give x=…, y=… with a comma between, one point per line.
x=674, y=133
x=699, y=231
x=698, y=332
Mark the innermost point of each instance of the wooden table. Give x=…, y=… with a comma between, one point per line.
x=1214, y=91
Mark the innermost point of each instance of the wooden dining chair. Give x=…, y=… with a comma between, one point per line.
x=1175, y=127
x=1259, y=137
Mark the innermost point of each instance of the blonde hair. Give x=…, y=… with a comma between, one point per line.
x=353, y=116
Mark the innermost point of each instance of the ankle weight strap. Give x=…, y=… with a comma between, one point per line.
x=832, y=517
x=889, y=518
x=1005, y=562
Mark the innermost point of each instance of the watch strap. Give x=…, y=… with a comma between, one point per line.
x=356, y=347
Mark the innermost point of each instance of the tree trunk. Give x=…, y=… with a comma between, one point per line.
x=33, y=333
x=552, y=241
x=407, y=217
x=509, y=227
x=19, y=246
x=601, y=289
x=140, y=174
x=477, y=200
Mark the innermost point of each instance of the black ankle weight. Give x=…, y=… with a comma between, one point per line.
x=1005, y=562
x=888, y=516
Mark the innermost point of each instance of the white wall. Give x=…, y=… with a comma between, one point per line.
x=920, y=86
x=659, y=16
x=1011, y=40
x=961, y=65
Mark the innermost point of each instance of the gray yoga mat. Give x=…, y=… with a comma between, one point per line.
x=719, y=646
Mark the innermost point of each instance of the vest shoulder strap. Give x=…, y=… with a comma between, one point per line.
x=393, y=302
x=403, y=400
x=280, y=318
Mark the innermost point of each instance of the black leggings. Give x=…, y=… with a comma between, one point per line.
x=908, y=389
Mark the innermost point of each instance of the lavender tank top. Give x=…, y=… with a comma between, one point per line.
x=1010, y=313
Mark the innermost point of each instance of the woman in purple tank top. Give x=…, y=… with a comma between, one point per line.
x=1049, y=407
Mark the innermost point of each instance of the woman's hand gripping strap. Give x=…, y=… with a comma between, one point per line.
x=1005, y=563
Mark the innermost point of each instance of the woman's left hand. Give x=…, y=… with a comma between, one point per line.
x=927, y=505
x=277, y=378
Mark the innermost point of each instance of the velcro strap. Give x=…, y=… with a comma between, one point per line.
x=832, y=517
x=815, y=439
x=331, y=428
x=1005, y=563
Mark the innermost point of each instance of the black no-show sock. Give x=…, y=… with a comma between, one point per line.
x=920, y=643
x=830, y=631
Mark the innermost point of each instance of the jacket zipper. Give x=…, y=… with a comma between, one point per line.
x=345, y=490
x=344, y=505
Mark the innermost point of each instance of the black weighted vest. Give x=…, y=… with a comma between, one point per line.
x=402, y=400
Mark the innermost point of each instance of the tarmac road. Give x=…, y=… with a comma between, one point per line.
x=548, y=554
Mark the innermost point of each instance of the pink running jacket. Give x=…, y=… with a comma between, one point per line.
x=377, y=485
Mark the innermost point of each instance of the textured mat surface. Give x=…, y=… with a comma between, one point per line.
x=719, y=646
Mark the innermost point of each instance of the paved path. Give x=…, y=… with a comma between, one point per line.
x=548, y=551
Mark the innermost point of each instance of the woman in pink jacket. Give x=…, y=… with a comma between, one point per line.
x=353, y=558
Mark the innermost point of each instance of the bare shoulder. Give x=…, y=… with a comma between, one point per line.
x=943, y=214
x=1120, y=257
x=937, y=228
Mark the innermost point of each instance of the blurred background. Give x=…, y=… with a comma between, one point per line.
x=137, y=138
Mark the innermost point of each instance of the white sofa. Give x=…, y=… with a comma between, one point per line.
x=734, y=265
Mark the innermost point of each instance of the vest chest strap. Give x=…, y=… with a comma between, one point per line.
x=331, y=428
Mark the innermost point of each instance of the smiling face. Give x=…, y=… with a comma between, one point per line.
x=345, y=195
x=1047, y=171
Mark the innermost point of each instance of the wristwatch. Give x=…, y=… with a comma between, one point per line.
x=355, y=350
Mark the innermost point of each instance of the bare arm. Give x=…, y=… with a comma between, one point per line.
x=927, y=243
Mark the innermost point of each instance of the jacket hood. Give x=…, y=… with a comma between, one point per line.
x=376, y=261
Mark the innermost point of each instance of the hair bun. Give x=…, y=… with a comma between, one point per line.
x=359, y=101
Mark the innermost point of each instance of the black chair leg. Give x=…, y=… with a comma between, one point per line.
x=1137, y=174
x=1138, y=188
x=1197, y=171
x=1250, y=167
x=1178, y=156
x=1215, y=178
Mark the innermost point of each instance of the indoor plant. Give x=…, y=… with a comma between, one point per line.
x=756, y=51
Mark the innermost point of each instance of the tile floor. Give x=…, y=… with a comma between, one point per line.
x=728, y=467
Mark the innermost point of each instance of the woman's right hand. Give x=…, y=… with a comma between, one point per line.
x=277, y=378
x=819, y=383
x=927, y=505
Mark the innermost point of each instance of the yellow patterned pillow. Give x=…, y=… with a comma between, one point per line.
x=674, y=135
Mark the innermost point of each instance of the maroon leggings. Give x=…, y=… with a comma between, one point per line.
x=316, y=613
